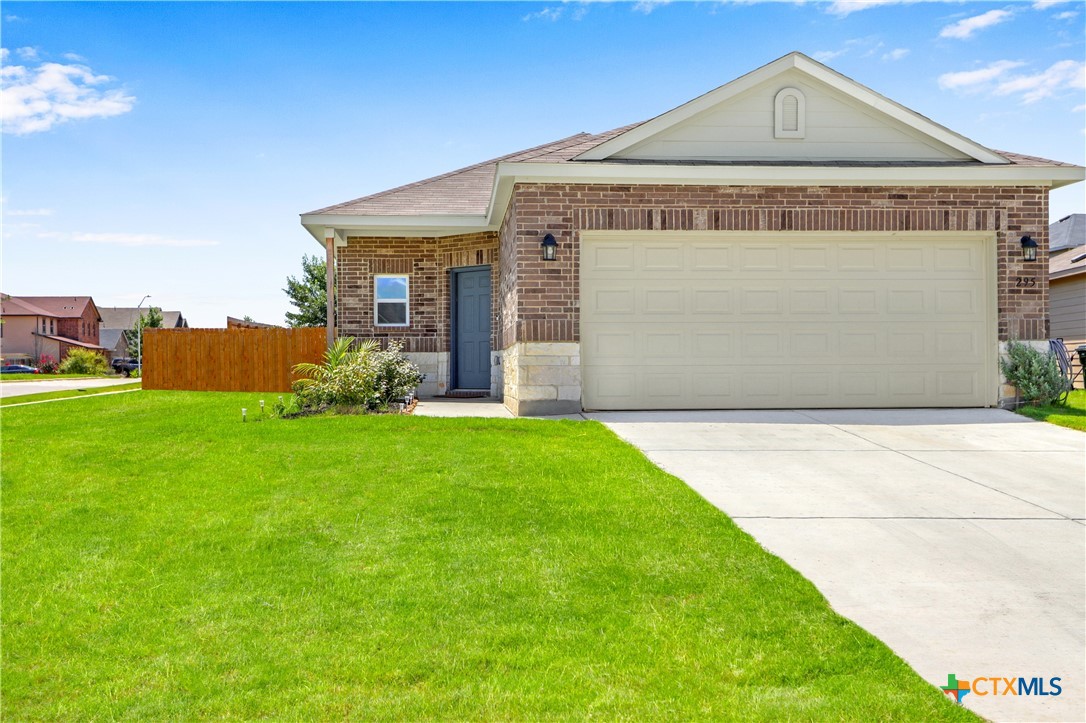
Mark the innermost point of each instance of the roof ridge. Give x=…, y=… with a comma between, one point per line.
x=541, y=148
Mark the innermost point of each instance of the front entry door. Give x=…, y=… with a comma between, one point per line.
x=472, y=328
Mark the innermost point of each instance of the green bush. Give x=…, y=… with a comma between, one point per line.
x=396, y=377
x=83, y=361
x=355, y=376
x=1035, y=374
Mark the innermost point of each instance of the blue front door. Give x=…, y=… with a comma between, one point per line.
x=472, y=329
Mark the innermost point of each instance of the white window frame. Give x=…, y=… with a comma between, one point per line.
x=779, y=130
x=406, y=302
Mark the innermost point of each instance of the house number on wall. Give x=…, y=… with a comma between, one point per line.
x=1027, y=281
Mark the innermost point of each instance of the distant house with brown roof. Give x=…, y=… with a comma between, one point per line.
x=1067, y=278
x=36, y=326
x=791, y=239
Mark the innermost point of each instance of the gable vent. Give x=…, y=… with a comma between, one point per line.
x=789, y=113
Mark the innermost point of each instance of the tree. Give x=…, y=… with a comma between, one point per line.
x=309, y=294
x=153, y=320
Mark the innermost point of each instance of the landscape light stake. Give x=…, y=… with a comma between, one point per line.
x=243, y=414
x=261, y=407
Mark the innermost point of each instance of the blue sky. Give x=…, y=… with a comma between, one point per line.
x=168, y=148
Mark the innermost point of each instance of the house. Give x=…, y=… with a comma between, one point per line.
x=118, y=321
x=247, y=323
x=1067, y=278
x=792, y=239
x=36, y=326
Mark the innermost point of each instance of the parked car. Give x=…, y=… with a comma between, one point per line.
x=125, y=365
x=17, y=369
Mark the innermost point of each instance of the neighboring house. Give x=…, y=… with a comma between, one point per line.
x=115, y=341
x=792, y=239
x=235, y=323
x=34, y=326
x=1067, y=278
x=118, y=322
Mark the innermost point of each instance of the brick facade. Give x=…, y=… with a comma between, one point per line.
x=427, y=261
x=82, y=328
x=537, y=302
x=540, y=299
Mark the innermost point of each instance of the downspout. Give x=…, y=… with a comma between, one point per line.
x=329, y=283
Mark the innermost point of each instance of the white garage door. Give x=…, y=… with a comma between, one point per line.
x=731, y=321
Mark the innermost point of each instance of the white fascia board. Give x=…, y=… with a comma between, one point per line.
x=765, y=175
x=415, y=226
x=816, y=70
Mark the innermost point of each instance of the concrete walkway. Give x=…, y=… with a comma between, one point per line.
x=22, y=388
x=956, y=536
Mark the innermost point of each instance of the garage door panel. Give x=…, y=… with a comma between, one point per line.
x=785, y=323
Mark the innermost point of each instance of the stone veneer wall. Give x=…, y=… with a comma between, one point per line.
x=540, y=300
x=427, y=261
x=542, y=377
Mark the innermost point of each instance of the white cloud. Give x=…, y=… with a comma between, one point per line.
x=1067, y=15
x=847, y=7
x=551, y=14
x=995, y=78
x=12, y=18
x=896, y=54
x=34, y=99
x=647, y=6
x=1078, y=108
x=965, y=28
x=27, y=53
x=126, y=239
x=1064, y=75
x=825, y=56
x=1046, y=4
x=4, y=53
x=971, y=79
x=74, y=57
x=28, y=212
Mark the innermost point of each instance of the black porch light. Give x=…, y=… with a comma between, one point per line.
x=1029, y=249
x=550, y=248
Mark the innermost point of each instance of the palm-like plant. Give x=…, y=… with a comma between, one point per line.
x=345, y=377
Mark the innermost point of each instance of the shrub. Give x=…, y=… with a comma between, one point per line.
x=354, y=376
x=83, y=361
x=47, y=364
x=397, y=378
x=1035, y=374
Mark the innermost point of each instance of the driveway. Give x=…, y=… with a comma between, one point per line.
x=956, y=536
x=22, y=388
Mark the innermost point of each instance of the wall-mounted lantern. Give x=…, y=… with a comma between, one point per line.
x=550, y=248
x=1029, y=249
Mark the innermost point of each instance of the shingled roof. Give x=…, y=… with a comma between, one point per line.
x=60, y=307
x=466, y=190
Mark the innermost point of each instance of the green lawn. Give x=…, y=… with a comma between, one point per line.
x=23, y=398
x=1072, y=415
x=163, y=560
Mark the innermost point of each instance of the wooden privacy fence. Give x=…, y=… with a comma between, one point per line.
x=228, y=360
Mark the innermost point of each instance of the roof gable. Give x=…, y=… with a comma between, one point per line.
x=61, y=307
x=844, y=121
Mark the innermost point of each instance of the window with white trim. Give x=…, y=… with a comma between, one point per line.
x=390, y=299
x=790, y=114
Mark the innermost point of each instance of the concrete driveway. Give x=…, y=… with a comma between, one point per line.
x=956, y=536
x=22, y=388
